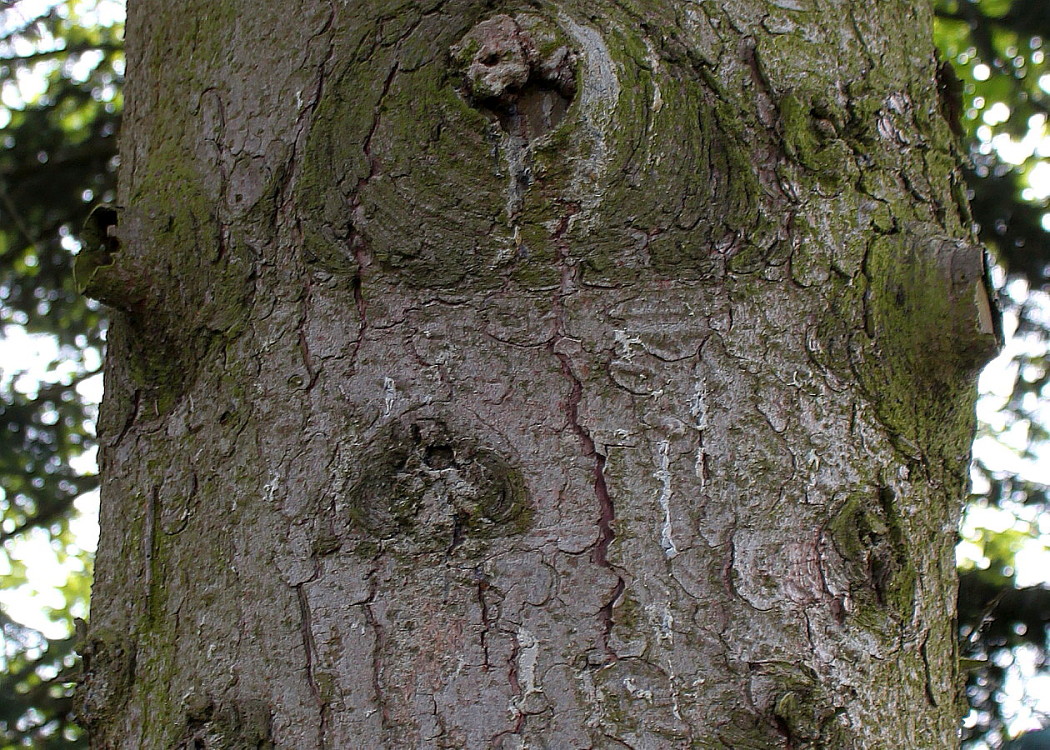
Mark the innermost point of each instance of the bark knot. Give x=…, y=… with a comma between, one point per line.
x=429, y=488
x=521, y=69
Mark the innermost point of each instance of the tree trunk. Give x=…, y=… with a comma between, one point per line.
x=496, y=375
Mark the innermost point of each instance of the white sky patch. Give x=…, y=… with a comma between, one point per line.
x=80, y=67
x=1034, y=143
x=101, y=12
x=26, y=363
x=18, y=14
x=1039, y=182
x=1027, y=693
x=1032, y=556
x=88, y=12
x=48, y=571
x=996, y=114
x=1004, y=449
x=28, y=360
x=30, y=83
x=29, y=604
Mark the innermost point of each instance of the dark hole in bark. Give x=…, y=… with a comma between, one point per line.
x=457, y=533
x=439, y=457
x=531, y=112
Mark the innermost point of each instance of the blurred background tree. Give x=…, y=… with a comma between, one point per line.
x=999, y=52
x=60, y=76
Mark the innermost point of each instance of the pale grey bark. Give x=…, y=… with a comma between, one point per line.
x=440, y=415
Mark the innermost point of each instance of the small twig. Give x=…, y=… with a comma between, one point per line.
x=64, y=52
x=17, y=219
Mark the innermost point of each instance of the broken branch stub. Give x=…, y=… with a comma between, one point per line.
x=520, y=69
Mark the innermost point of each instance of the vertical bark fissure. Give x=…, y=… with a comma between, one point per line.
x=517, y=691
x=486, y=623
x=354, y=239
x=308, y=360
x=729, y=565
x=366, y=147
x=606, y=509
x=150, y=542
x=377, y=653
x=837, y=602
x=310, y=655
x=928, y=679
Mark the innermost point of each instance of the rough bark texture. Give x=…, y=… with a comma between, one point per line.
x=502, y=375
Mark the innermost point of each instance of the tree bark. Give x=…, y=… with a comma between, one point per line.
x=540, y=375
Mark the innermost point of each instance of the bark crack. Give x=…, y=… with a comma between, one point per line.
x=308, y=361
x=377, y=654
x=606, y=510
x=150, y=542
x=486, y=622
x=310, y=651
x=354, y=239
x=728, y=568
x=373, y=166
x=517, y=692
x=930, y=695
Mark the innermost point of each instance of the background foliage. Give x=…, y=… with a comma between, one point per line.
x=999, y=51
x=60, y=76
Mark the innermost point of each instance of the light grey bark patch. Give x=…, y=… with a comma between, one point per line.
x=423, y=487
x=638, y=700
x=175, y=496
x=108, y=660
x=241, y=725
x=796, y=704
